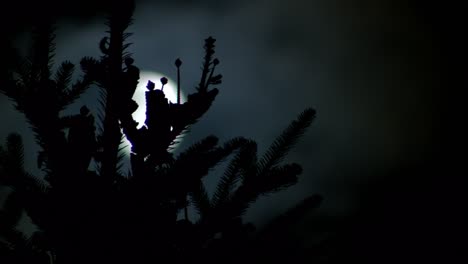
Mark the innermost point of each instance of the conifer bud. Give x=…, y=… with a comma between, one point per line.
x=150, y=85
x=178, y=62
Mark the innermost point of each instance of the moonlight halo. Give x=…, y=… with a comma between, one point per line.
x=170, y=90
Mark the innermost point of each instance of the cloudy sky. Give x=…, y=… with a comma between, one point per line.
x=371, y=69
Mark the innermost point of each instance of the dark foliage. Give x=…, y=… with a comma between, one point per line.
x=102, y=215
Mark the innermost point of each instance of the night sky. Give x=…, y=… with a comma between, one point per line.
x=378, y=150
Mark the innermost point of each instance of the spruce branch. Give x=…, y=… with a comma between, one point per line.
x=208, y=65
x=238, y=168
x=43, y=50
x=286, y=141
x=200, y=199
x=64, y=75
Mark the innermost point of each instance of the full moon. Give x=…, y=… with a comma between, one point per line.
x=170, y=90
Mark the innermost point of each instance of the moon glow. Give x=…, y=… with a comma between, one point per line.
x=170, y=90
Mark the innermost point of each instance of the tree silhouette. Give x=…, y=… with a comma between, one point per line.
x=105, y=215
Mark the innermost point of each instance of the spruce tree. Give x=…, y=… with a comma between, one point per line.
x=102, y=214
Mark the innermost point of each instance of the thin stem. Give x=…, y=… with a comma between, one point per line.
x=178, y=85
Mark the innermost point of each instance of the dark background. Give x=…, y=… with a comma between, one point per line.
x=387, y=148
